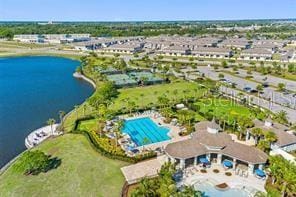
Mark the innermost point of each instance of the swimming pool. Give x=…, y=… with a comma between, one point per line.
x=141, y=129
x=208, y=190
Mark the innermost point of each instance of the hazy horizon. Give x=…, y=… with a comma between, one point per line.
x=150, y=11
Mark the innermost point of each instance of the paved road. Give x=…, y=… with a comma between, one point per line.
x=268, y=93
x=272, y=80
x=291, y=114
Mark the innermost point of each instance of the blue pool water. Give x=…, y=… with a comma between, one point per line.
x=141, y=128
x=208, y=190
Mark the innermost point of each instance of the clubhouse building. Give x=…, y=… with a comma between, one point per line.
x=209, y=145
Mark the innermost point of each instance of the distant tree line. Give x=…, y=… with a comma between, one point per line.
x=9, y=29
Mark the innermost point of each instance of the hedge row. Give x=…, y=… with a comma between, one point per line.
x=102, y=151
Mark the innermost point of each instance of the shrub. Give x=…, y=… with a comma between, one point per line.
x=216, y=171
x=203, y=171
x=33, y=162
x=228, y=173
x=104, y=147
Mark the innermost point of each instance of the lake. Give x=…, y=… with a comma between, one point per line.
x=32, y=90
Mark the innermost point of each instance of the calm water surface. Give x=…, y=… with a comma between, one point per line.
x=32, y=90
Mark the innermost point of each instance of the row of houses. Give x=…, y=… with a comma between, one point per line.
x=218, y=47
x=51, y=38
x=102, y=43
x=203, y=47
x=207, y=52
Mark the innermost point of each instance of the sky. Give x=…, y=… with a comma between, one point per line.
x=144, y=10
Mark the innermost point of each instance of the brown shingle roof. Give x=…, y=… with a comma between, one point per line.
x=245, y=153
x=218, y=140
x=283, y=138
x=185, y=149
x=201, y=138
x=202, y=126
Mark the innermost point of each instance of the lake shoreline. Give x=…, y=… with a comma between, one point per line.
x=12, y=161
x=85, y=78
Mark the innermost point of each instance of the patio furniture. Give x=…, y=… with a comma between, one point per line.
x=260, y=173
x=204, y=160
x=227, y=163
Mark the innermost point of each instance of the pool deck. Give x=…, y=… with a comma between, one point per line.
x=250, y=183
x=173, y=133
x=134, y=173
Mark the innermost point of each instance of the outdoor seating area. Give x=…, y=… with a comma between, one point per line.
x=39, y=135
x=260, y=174
x=191, y=174
x=208, y=145
x=127, y=144
x=148, y=123
x=227, y=164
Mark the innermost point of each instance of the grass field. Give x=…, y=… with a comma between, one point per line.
x=222, y=107
x=14, y=44
x=142, y=96
x=88, y=125
x=83, y=172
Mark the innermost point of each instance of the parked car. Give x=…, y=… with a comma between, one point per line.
x=247, y=89
x=265, y=85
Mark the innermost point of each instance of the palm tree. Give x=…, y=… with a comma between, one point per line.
x=102, y=116
x=281, y=117
x=225, y=119
x=281, y=86
x=142, y=100
x=186, y=94
x=283, y=174
x=117, y=130
x=195, y=90
x=131, y=106
x=76, y=107
x=83, y=109
x=175, y=93
x=61, y=115
x=264, y=145
x=243, y=124
x=257, y=133
x=51, y=122
x=270, y=137
x=162, y=100
x=145, y=142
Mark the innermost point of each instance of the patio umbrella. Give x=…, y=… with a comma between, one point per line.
x=227, y=163
x=260, y=173
x=204, y=160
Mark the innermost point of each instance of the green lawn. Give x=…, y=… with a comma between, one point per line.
x=143, y=96
x=149, y=94
x=14, y=44
x=83, y=172
x=222, y=107
x=88, y=125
